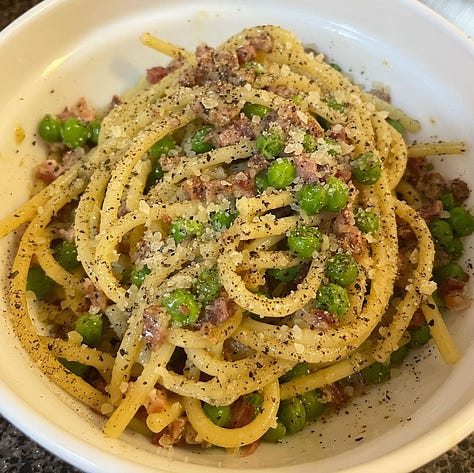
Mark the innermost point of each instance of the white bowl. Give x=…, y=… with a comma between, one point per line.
x=65, y=49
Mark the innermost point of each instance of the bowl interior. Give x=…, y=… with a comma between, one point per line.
x=53, y=60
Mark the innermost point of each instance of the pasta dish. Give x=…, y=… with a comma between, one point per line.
x=236, y=244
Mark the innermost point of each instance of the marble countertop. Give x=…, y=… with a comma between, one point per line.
x=19, y=454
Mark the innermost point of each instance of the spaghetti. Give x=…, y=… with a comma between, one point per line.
x=238, y=221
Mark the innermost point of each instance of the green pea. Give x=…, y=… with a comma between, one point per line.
x=395, y=124
x=366, y=221
x=310, y=143
x=49, y=128
x=376, y=373
x=448, y=201
x=336, y=67
x=74, y=133
x=342, y=269
x=397, y=357
x=137, y=276
x=300, y=369
x=270, y=144
x=208, y=286
x=366, y=168
x=454, y=249
x=312, y=404
x=162, y=147
x=198, y=140
x=156, y=174
x=281, y=173
x=66, y=255
x=222, y=219
x=90, y=326
x=275, y=434
x=338, y=194
x=420, y=336
x=261, y=181
x=292, y=414
x=183, y=228
x=93, y=128
x=38, y=282
x=462, y=222
x=451, y=270
x=75, y=367
x=285, y=275
x=251, y=109
x=312, y=198
x=304, y=241
x=441, y=231
x=182, y=307
x=333, y=299
x=220, y=415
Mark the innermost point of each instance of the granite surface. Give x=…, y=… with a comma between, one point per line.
x=19, y=454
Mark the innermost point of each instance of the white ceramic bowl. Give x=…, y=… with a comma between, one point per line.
x=64, y=49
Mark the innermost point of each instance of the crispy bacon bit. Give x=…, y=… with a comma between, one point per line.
x=80, y=110
x=171, y=434
x=213, y=66
x=320, y=320
x=168, y=163
x=263, y=42
x=220, y=114
x=344, y=172
x=338, y=133
x=95, y=296
x=155, y=326
x=156, y=73
x=216, y=312
x=431, y=211
x=49, y=170
x=306, y=168
x=335, y=393
x=417, y=321
x=232, y=134
x=242, y=413
x=453, y=293
x=238, y=185
x=460, y=190
x=282, y=91
x=431, y=185
x=258, y=163
x=71, y=157
x=351, y=238
x=116, y=100
x=289, y=115
x=246, y=53
x=157, y=401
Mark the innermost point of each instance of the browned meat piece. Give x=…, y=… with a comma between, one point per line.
x=49, y=170
x=155, y=326
x=432, y=211
x=460, y=190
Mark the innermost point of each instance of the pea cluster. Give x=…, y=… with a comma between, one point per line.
x=72, y=132
x=447, y=233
